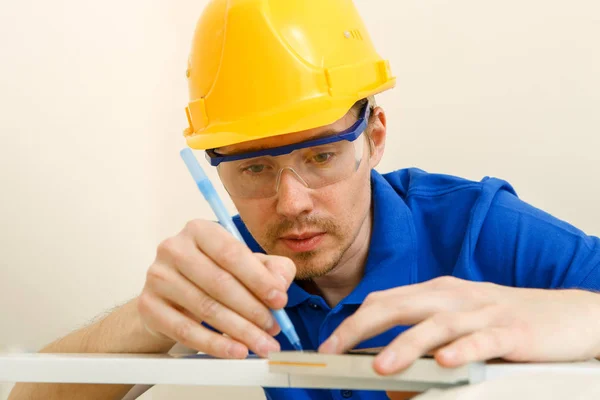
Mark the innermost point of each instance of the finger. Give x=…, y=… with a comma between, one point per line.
x=213, y=280
x=385, y=311
x=203, y=307
x=163, y=318
x=435, y=331
x=401, y=395
x=479, y=346
x=442, y=283
x=236, y=258
x=469, y=290
x=282, y=267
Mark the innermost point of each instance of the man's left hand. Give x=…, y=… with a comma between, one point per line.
x=460, y=321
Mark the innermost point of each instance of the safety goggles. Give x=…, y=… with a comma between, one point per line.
x=315, y=163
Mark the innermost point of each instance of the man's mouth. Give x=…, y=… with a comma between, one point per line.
x=302, y=242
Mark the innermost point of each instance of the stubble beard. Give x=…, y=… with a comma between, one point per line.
x=308, y=265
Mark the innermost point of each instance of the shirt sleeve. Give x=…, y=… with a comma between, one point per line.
x=520, y=245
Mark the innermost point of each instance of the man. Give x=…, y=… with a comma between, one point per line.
x=282, y=101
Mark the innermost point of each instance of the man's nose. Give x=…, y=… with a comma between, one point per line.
x=293, y=194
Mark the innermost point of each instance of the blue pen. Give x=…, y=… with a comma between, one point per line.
x=210, y=194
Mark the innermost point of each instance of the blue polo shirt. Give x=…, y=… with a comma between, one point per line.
x=429, y=225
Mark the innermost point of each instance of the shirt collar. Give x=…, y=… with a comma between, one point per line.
x=392, y=258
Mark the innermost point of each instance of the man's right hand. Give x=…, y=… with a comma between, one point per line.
x=204, y=274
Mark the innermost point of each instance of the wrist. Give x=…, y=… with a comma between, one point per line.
x=148, y=340
x=123, y=331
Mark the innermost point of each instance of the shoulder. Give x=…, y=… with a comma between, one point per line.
x=444, y=205
x=490, y=198
x=415, y=182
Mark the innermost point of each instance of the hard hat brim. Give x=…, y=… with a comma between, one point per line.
x=302, y=116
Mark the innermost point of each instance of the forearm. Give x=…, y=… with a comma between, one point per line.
x=122, y=331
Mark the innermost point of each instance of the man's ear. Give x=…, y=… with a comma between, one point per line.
x=377, y=132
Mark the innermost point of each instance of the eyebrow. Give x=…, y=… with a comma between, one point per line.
x=329, y=132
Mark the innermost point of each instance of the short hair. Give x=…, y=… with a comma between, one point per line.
x=358, y=106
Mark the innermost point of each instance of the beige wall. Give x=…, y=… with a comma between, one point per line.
x=92, y=96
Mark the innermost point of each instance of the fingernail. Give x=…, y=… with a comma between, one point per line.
x=236, y=350
x=330, y=345
x=274, y=329
x=269, y=324
x=448, y=355
x=274, y=346
x=387, y=360
x=264, y=346
x=272, y=294
x=284, y=280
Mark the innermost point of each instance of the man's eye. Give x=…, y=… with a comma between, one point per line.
x=255, y=169
x=322, y=158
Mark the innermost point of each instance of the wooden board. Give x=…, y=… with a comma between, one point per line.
x=425, y=370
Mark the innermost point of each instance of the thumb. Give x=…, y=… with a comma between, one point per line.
x=281, y=267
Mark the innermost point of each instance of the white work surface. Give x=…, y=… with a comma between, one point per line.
x=567, y=384
x=202, y=371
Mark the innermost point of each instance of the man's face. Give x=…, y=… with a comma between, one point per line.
x=313, y=227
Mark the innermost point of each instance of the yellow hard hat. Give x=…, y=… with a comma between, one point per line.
x=261, y=68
